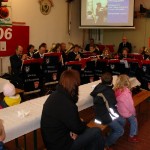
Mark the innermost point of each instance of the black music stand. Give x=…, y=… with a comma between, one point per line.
x=32, y=76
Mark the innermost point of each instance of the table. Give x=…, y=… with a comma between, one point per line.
x=16, y=126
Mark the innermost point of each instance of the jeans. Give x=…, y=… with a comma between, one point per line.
x=133, y=125
x=90, y=139
x=1, y=146
x=117, y=130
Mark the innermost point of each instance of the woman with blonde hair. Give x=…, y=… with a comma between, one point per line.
x=125, y=105
x=106, y=53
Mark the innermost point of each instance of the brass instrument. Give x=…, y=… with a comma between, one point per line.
x=71, y=45
x=52, y=47
x=147, y=51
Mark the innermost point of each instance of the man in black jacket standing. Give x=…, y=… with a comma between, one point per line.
x=124, y=44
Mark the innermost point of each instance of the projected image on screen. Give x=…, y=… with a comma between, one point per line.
x=107, y=12
x=96, y=11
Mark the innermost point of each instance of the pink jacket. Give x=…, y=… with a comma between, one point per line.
x=125, y=104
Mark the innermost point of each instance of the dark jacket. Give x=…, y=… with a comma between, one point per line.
x=101, y=111
x=16, y=64
x=122, y=46
x=59, y=117
x=72, y=55
x=16, y=71
x=37, y=55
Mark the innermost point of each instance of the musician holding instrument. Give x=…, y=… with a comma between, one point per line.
x=30, y=50
x=145, y=53
x=106, y=54
x=16, y=64
x=75, y=55
x=40, y=52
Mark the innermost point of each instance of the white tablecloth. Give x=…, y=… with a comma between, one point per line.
x=16, y=126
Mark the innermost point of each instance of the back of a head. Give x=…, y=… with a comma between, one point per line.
x=9, y=90
x=107, y=78
x=122, y=82
x=70, y=80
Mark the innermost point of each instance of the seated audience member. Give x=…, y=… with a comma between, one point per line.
x=125, y=105
x=30, y=50
x=2, y=135
x=106, y=54
x=74, y=54
x=10, y=96
x=105, y=109
x=124, y=54
x=40, y=52
x=16, y=64
x=57, y=49
x=124, y=44
x=61, y=126
x=87, y=48
x=144, y=52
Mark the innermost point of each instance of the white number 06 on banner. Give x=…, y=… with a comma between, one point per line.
x=6, y=33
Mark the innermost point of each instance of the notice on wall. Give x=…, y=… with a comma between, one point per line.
x=2, y=45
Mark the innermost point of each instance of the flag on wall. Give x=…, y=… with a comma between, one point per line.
x=5, y=13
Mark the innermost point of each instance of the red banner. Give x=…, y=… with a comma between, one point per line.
x=10, y=37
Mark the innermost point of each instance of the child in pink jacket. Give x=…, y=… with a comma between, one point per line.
x=125, y=105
